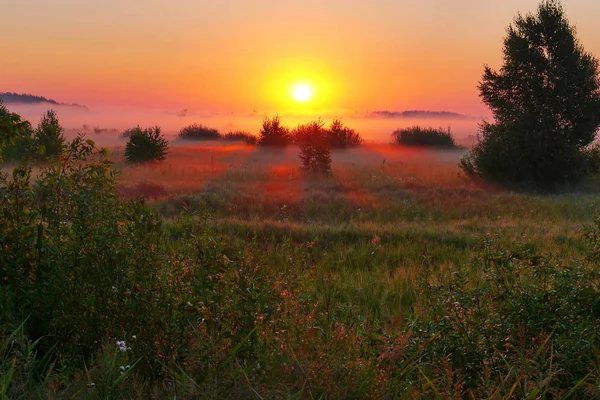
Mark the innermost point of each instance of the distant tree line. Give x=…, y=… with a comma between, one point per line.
x=11, y=97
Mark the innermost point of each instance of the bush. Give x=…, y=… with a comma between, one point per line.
x=315, y=152
x=341, y=136
x=198, y=132
x=146, y=145
x=428, y=137
x=241, y=136
x=525, y=315
x=81, y=266
x=546, y=105
x=273, y=133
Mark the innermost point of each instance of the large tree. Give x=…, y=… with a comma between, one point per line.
x=546, y=104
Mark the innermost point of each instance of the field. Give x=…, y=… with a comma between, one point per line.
x=395, y=277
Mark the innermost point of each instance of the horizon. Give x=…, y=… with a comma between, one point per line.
x=244, y=57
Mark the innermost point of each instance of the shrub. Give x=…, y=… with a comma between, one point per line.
x=341, y=136
x=241, y=136
x=146, y=145
x=273, y=133
x=546, y=104
x=429, y=137
x=315, y=153
x=81, y=266
x=524, y=314
x=198, y=132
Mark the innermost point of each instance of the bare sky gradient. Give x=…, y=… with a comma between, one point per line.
x=243, y=55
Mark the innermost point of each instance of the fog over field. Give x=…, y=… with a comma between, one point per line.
x=109, y=121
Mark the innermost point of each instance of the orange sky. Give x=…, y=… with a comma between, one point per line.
x=243, y=55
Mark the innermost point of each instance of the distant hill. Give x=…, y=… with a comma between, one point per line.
x=17, y=98
x=418, y=114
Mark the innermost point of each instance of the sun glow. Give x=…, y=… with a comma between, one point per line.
x=302, y=93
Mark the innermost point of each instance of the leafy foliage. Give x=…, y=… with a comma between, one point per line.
x=146, y=145
x=315, y=152
x=429, y=137
x=273, y=133
x=11, y=127
x=546, y=104
x=198, y=132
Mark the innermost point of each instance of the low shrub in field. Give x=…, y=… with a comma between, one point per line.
x=429, y=137
x=146, y=145
x=240, y=136
x=528, y=318
x=273, y=133
x=341, y=136
x=198, y=132
x=315, y=152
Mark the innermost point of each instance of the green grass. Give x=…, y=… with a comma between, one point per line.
x=395, y=277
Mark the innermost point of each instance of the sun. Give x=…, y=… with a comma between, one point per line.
x=302, y=93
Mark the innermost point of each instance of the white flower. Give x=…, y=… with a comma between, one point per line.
x=122, y=346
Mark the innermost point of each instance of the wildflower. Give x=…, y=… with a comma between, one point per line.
x=122, y=346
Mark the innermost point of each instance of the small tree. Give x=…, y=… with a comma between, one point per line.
x=146, y=145
x=341, y=136
x=273, y=133
x=546, y=104
x=49, y=136
x=315, y=152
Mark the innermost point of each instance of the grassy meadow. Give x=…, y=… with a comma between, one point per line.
x=395, y=277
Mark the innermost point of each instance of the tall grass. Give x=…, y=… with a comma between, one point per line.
x=395, y=277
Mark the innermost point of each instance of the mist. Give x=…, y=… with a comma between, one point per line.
x=103, y=124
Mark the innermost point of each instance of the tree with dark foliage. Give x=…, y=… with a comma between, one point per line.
x=11, y=126
x=49, y=136
x=273, y=133
x=315, y=151
x=546, y=104
x=146, y=145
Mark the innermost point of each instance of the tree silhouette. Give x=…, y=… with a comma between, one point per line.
x=315, y=151
x=545, y=100
x=146, y=145
x=273, y=133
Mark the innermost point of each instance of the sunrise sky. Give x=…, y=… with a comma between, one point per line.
x=244, y=55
